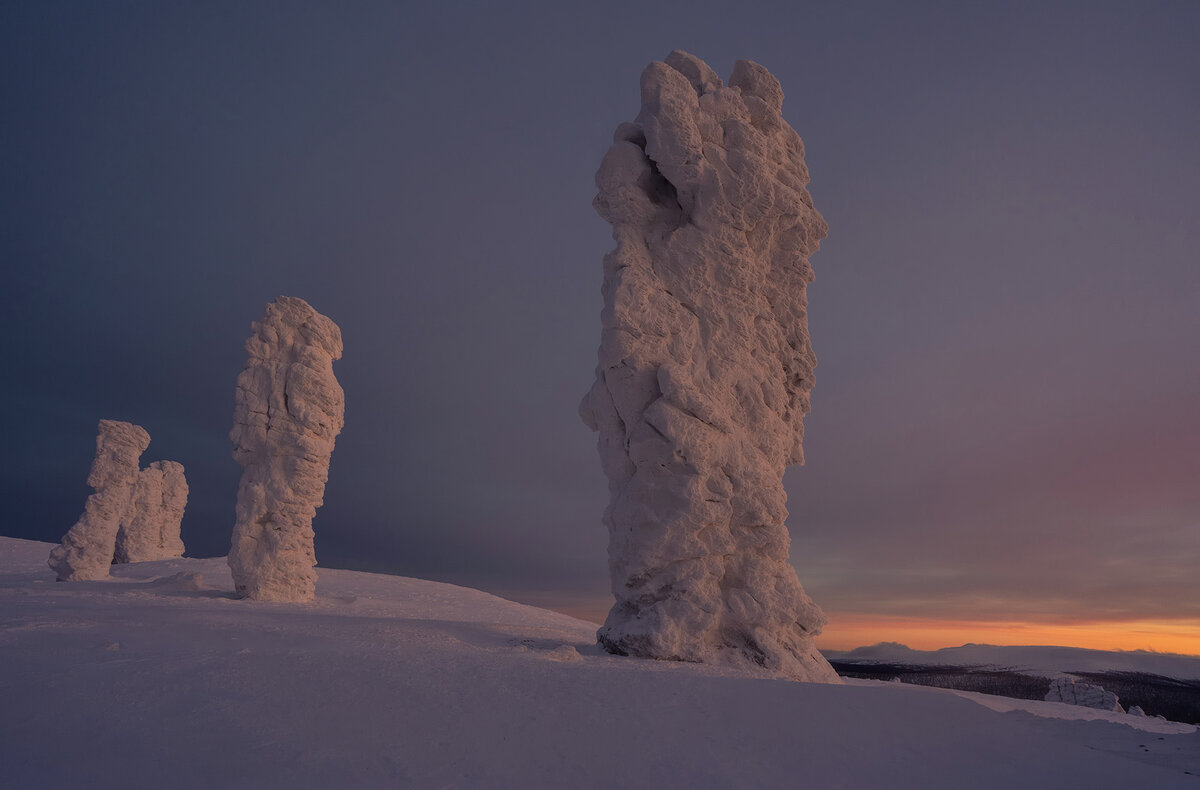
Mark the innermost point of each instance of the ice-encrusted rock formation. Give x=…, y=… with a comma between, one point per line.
x=1074, y=692
x=133, y=516
x=150, y=528
x=704, y=371
x=86, y=551
x=287, y=412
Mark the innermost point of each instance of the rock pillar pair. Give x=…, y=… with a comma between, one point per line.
x=133, y=515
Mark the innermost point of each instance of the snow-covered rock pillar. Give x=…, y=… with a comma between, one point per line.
x=150, y=529
x=704, y=371
x=288, y=410
x=86, y=551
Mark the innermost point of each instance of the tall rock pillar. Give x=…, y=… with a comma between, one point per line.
x=704, y=371
x=150, y=529
x=288, y=410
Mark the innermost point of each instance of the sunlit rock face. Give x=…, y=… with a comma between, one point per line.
x=150, y=528
x=288, y=410
x=704, y=371
x=86, y=551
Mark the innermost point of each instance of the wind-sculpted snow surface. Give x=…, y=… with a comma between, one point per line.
x=288, y=410
x=86, y=551
x=150, y=529
x=704, y=371
x=395, y=682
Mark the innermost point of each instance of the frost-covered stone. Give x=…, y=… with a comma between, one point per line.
x=150, y=528
x=287, y=412
x=1074, y=692
x=1136, y=710
x=704, y=371
x=86, y=551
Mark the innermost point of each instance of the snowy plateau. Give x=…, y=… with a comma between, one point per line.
x=159, y=677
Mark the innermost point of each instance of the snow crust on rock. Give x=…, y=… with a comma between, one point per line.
x=86, y=551
x=1074, y=692
x=150, y=528
x=704, y=371
x=288, y=410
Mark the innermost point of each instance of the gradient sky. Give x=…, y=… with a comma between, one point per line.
x=1005, y=431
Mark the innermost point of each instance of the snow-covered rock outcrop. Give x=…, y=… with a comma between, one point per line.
x=1074, y=692
x=86, y=551
x=133, y=516
x=704, y=371
x=150, y=528
x=288, y=410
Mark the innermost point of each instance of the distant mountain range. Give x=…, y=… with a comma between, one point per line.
x=1161, y=684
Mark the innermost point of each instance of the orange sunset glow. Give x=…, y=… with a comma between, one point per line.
x=847, y=631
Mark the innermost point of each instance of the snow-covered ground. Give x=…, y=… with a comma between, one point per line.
x=159, y=678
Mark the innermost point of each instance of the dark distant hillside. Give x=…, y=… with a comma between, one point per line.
x=1000, y=682
x=1176, y=700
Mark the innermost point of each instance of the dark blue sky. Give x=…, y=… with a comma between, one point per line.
x=1007, y=308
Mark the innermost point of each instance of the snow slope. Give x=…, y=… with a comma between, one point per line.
x=158, y=678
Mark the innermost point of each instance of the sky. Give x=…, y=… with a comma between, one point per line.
x=1003, y=445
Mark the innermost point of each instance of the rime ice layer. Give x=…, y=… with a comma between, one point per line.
x=704, y=371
